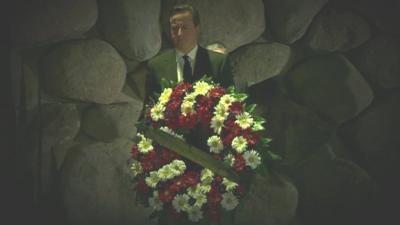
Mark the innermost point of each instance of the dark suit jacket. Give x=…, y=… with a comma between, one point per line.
x=208, y=62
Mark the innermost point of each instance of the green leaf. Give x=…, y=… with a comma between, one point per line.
x=274, y=156
x=192, y=153
x=231, y=89
x=250, y=108
x=265, y=141
x=240, y=96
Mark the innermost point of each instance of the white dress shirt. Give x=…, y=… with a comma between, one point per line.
x=180, y=61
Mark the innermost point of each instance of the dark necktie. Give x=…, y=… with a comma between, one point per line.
x=187, y=69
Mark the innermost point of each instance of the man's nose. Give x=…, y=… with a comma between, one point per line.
x=179, y=31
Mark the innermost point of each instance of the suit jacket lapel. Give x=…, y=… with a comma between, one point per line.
x=203, y=64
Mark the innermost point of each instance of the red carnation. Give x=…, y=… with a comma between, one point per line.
x=214, y=197
x=216, y=92
x=174, y=103
x=239, y=163
x=236, y=108
x=165, y=156
x=147, y=166
x=181, y=89
x=172, y=120
x=188, y=121
x=175, y=185
x=218, y=179
x=135, y=152
x=250, y=136
x=166, y=195
x=191, y=178
x=227, y=140
x=232, y=127
x=142, y=186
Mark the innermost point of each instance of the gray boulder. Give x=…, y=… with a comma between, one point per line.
x=257, y=62
x=289, y=20
x=334, y=192
x=337, y=30
x=60, y=124
x=55, y=20
x=332, y=86
x=85, y=70
x=379, y=61
x=132, y=27
x=272, y=200
x=375, y=137
x=108, y=122
x=96, y=186
x=225, y=22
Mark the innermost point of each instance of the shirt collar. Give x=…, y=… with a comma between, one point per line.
x=191, y=54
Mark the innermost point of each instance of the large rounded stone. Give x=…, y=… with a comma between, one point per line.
x=297, y=133
x=255, y=63
x=272, y=200
x=54, y=20
x=334, y=192
x=225, y=22
x=375, y=136
x=289, y=20
x=108, y=122
x=337, y=30
x=132, y=26
x=382, y=14
x=332, y=86
x=379, y=61
x=96, y=186
x=86, y=70
x=60, y=124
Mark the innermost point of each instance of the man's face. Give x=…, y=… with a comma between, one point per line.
x=183, y=31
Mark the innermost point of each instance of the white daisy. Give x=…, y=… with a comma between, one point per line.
x=178, y=165
x=206, y=176
x=201, y=88
x=157, y=112
x=239, y=143
x=170, y=131
x=252, y=158
x=152, y=180
x=229, y=201
x=230, y=185
x=194, y=213
x=217, y=122
x=181, y=202
x=215, y=144
x=145, y=145
x=136, y=168
x=229, y=159
x=166, y=173
x=244, y=120
x=187, y=107
x=200, y=200
x=164, y=97
x=226, y=100
x=221, y=110
x=155, y=202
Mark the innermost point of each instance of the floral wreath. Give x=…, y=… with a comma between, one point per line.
x=220, y=123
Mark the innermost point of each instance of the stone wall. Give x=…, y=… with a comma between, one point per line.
x=325, y=74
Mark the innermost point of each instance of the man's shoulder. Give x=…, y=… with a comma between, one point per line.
x=161, y=57
x=215, y=55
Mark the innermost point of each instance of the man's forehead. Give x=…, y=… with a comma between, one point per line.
x=184, y=17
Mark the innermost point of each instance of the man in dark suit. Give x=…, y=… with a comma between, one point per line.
x=188, y=61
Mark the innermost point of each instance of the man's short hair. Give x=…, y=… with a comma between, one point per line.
x=181, y=8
